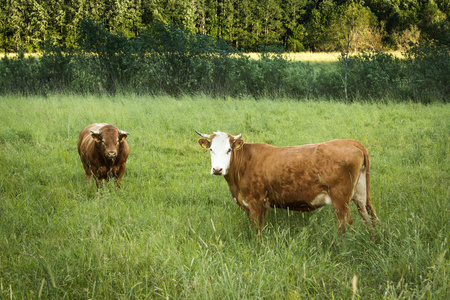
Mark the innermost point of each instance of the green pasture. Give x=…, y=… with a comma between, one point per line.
x=173, y=230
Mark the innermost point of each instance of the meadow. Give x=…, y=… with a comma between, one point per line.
x=173, y=230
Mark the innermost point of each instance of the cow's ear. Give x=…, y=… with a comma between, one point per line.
x=204, y=143
x=238, y=144
x=96, y=135
x=123, y=135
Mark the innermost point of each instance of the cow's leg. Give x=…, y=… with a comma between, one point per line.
x=88, y=173
x=119, y=176
x=117, y=183
x=360, y=197
x=341, y=196
x=371, y=211
x=257, y=214
x=342, y=213
x=88, y=179
x=99, y=183
x=348, y=217
x=364, y=204
x=98, y=177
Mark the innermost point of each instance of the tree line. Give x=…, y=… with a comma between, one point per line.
x=292, y=25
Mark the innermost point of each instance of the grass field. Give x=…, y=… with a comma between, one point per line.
x=174, y=232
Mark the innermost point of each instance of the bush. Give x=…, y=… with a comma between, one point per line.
x=55, y=68
x=19, y=75
x=428, y=73
x=421, y=76
x=167, y=59
x=372, y=75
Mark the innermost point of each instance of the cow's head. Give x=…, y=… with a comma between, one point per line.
x=221, y=146
x=109, y=138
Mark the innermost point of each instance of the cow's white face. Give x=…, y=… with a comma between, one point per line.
x=220, y=154
x=221, y=147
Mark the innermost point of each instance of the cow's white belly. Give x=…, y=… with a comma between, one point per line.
x=321, y=200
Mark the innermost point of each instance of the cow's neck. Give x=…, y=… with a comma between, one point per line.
x=235, y=171
x=108, y=162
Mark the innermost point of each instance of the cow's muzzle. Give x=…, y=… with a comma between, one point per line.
x=111, y=154
x=217, y=171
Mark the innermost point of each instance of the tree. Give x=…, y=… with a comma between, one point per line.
x=270, y=29
x=318, y=24
x=74, y=13
x=125, y=17
x=293, y=13
x=201, y=12
x=150, y=12
x=22, y=25
x=56, y=21
x=245, y=15
x=355, y=29
x=434, y=22
x=444, y=6
x=228, y=20
x=213, y=25
x=296, y=24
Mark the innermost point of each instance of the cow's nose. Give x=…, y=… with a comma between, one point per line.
x=217, y=171
x=112, y=154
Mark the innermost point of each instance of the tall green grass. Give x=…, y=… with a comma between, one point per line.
x=173, y=230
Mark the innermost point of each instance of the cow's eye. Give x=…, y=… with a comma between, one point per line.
x=229, y=150
x=103, y=141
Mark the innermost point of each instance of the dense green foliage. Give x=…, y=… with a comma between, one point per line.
x=173, y=231
x=246, y=24
x=167, y=59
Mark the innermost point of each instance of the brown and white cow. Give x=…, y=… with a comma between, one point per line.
x=301, y=178
x=103, y=151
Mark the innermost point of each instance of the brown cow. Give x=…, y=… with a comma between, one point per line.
x=301, y=178
x=103, y=151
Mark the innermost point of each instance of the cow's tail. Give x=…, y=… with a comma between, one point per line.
x=369, y=207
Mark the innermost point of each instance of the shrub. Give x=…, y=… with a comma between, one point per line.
x=372, y=75
x=19, y=74
x=428, y=73
x=55, y=68
x=421, y=76
x=167, y=59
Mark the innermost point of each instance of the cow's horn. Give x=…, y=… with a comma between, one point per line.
x=208, y=136
x=237, y=136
